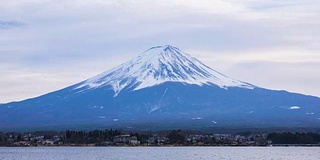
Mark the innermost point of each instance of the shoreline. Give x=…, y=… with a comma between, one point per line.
x=155, y=146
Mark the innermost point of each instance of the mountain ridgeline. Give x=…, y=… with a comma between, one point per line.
x=162, y=88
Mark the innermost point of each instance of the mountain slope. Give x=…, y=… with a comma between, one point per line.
x=162, y=88
x=158, y=65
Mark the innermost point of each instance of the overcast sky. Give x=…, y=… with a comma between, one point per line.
x=47, y=45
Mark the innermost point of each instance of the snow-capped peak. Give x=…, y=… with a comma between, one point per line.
x=158, y=65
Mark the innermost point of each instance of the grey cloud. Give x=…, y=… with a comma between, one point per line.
x=10, y=24
x=294, y=77
x=88, y=38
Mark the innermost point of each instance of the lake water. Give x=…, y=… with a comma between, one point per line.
x=160, y=153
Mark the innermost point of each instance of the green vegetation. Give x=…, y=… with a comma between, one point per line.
x=294, y=138
x=96, y=136
x=175, y=137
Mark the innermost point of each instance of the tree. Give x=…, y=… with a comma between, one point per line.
x=176, y=137
x=293, y=138
x=209, y=140
x=19, y=137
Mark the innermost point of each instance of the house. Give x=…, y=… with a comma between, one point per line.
x=134, y=141
x=121, y=139
x=151, y=140
x=39, y=138
x=106, y=143
x=21, y=143
x=56, y=138
x=48, y=142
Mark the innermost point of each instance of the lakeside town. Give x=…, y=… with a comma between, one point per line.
x=169, y=138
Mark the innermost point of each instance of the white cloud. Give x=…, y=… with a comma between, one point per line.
x=294, y=107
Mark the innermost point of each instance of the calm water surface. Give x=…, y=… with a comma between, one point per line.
x=160, y=153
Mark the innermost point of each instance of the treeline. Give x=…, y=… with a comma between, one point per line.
x=3, y=139
x=174, y=137
x=97, y=136
x=179, y=137
x=294, y=138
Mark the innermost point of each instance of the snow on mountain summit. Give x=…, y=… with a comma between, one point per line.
x=158, y=65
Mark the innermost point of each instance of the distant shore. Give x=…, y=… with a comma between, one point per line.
x=174, y=138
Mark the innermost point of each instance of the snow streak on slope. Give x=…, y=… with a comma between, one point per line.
x=158, y=65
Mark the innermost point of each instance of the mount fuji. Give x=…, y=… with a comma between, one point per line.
x=162, y=88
